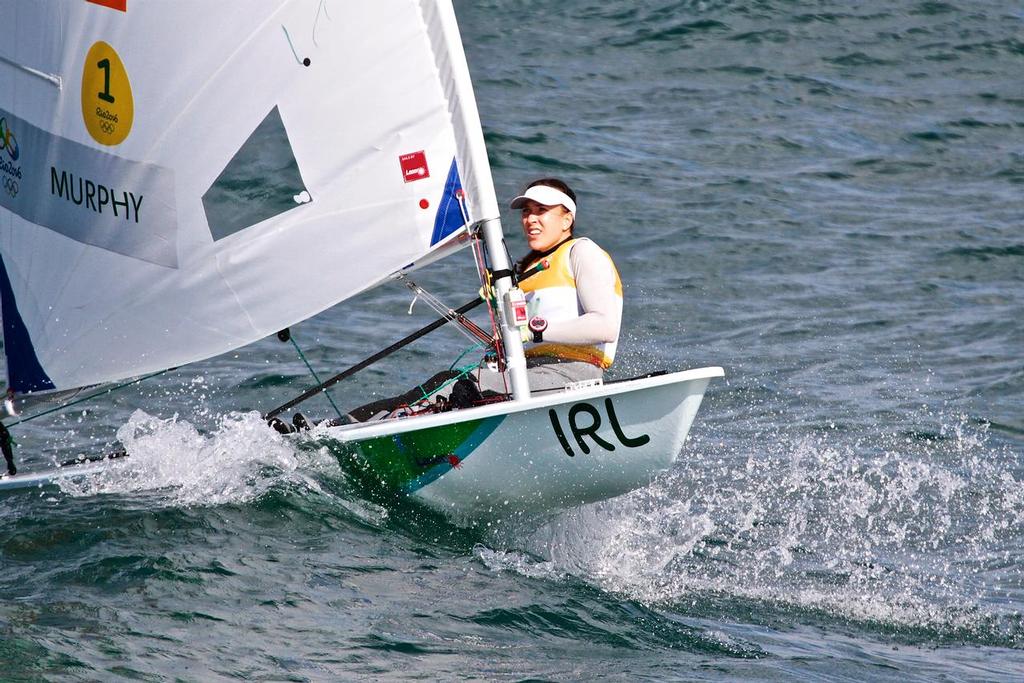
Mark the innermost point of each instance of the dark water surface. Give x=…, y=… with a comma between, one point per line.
x=825, y=198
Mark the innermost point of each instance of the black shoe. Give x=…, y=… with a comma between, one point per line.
x=464, y=395
x=281, y=426
x=301, y=423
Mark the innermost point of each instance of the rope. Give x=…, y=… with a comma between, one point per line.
x=466, y=326
x=309, y=367
x=90, y=397
x=463, y=354
x=7, y=441
x=463, y=371
x=480, y=257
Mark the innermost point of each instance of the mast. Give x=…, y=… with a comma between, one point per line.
x=507, y=294
x=480, y=197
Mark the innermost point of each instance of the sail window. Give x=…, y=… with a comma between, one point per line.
x=261, y=181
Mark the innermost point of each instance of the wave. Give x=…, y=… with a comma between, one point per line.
x=239, y=460
x=915, y=536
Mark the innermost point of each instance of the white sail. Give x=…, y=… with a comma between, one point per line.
x=183, y=178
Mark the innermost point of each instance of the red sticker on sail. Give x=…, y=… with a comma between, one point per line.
x=414, y=166
x=112, y=4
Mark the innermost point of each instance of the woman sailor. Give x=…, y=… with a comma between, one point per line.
x=575, y=304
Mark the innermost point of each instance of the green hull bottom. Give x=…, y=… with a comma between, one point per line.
x=405, y=463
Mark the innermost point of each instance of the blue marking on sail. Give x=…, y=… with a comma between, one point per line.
x=24, y=373
x=449, y=213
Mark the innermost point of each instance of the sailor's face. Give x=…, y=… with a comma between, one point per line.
x=545, y=226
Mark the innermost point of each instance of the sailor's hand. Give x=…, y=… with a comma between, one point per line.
x=486, y=293
x=525, y=334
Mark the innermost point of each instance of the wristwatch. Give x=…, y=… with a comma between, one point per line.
x=537, y=325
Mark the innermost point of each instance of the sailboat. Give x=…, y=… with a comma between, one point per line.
x=183, y=179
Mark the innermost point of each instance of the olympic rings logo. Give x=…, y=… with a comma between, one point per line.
x=8, y=141
x=107, y=127
x=11, y=186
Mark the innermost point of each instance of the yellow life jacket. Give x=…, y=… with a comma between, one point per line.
x=552, y=295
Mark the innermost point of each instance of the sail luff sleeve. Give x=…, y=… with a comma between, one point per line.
x=443, y=30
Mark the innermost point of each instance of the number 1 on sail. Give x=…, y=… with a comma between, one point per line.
x=105, y=95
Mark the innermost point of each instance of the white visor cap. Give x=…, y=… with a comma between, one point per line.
x=546, y=196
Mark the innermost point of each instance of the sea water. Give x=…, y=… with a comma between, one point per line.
x=824, y=198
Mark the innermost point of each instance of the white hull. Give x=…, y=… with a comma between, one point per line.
x=555, y=450
x=50, y=476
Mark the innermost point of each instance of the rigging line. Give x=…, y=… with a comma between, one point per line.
x=316, y=20
x=309, y=367
x=482, y=273
x=463, y=372
x=301, y=62
x=91, y=396
x=462, y=355
x=405, y=341
x=471, y=329
x=430, y=300
x=291, y=44
x=488, y=293
x=479, y=254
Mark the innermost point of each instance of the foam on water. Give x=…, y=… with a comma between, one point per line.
x=518, y=562
x=235, y=462
x=920, y=533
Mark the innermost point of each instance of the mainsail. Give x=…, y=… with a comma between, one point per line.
x=183, y=178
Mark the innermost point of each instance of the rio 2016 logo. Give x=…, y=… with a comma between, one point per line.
x=7, y=140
